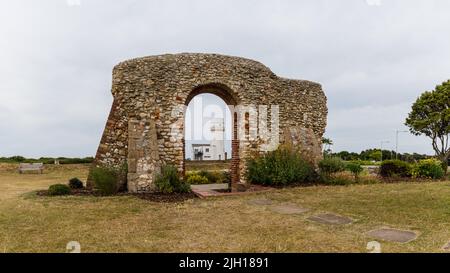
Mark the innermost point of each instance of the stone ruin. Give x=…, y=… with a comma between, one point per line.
x=145, y=127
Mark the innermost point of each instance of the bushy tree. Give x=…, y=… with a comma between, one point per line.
x=430, y=116
x=327, y=143
x=355, y=168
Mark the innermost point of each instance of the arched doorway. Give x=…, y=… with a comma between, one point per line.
x=211, y=109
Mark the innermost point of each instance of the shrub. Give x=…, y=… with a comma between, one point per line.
x=395, y=168
x=226, y=177
x=283, y=166
x=75, y=183
x=214, y=177
x=429, y=168
x=169, y=181
x=355, y=168
x=196, y=179
x=105, y=180
x=58, y=189
x=331, y=165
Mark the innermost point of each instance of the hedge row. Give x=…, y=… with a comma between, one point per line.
x=46, y=160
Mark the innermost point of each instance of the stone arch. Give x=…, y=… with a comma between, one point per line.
x=148, y=91
x=232, y=101
x=221, y=90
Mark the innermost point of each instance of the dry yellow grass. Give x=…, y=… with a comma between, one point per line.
x=126, y=224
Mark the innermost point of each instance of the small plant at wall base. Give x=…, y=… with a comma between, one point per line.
x=283, y=166
x=105, y=180
x=196, y=179
x=208, y=177
x=169, y=181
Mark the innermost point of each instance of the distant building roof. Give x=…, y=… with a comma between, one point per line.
x=200, y=145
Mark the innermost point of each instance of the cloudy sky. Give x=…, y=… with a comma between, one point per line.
x=372, y=57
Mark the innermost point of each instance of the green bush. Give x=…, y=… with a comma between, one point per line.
x=212, y=177
x=196, y=179
x=331, y=165
x=429, y=168
x=105, y=180
x=215, y=177
x=58, y=189
x=355, y=168
x=226, y=177
x=75, y=183
x=169, y=181
x=283, y=166
x=395, y=168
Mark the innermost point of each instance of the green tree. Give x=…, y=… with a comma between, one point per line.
x=430, y=116
x=374, y=155
x=327, y=143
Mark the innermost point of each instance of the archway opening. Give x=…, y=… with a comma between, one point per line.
x=210, y=150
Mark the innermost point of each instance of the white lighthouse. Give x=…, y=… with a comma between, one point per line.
x=218, y=137
x=215, y=150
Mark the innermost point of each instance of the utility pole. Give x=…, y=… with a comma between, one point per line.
x=382, y=142
x=396, y=141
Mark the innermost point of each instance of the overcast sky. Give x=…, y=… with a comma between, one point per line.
x=372, y=57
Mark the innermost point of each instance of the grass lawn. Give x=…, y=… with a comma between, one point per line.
x=29, y=223
x=207, y=165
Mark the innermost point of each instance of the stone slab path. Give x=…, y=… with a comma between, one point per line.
x=384, y=234
x=330, y=219
x=288, y=209
x=393, y=235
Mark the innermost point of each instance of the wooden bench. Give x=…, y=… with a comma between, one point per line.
x=31, y=167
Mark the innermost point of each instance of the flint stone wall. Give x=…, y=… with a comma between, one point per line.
x=148, y=93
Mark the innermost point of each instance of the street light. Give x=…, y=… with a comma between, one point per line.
x=382, y=142
x=396, y=141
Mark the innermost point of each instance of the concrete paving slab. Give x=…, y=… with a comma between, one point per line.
x=393, y=235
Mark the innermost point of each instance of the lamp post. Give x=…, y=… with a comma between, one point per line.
x=396, y=141
x=382, y=142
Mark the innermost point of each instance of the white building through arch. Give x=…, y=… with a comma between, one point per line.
x=215, y=149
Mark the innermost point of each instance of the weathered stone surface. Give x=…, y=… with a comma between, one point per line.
x=446, y=247
x=392, y=235
x=330, y=219
x=306, y=141
x=288, y=209
x=153, y=92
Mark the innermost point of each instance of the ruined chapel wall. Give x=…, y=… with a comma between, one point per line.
x=151, y=89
